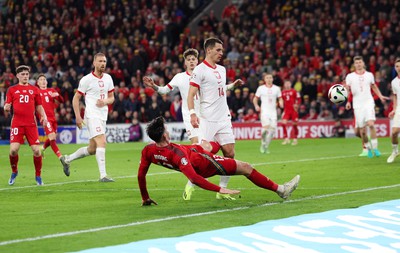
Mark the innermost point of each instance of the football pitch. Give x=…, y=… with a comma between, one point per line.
x=77, y=212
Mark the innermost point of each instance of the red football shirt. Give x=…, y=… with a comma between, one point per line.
x=48, y=102
x=290, y=98
x=192, y=160
x=23, y=99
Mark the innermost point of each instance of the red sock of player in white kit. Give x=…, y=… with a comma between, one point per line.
x=14, y=163
x=46, y=144
x=37, y=161
x=262, y=181
x=55, y=148
x=284, y=131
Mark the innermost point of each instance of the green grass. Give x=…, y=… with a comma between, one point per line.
x=332, y=177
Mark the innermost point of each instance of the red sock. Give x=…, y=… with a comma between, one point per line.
x=14, y=163
x=46, y=144
x=215, y=147
x=37, y=161
x=262, y=181
x=295, y=131
x=284, y=130
x=55, y=148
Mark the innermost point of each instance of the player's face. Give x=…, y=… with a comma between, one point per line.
x=216, y=52
x=287, y=85
x=359, y=65
x=100, y=63
x=191, y=62
x=42, y=82
x=23, y=77
x=397, y=68
x=268, y=79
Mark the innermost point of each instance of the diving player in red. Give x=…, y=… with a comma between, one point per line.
x=25, y=100
x=291, y=101
x=49, y=96
x=197, y=164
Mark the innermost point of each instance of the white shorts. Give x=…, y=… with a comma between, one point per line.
x=396, y=120
x=272, y=122
x=95, y=127
x=364, y=114
x=190, y=130
x=220, y=132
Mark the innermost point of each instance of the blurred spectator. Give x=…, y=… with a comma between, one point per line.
x=250, y=116
x=338, y=130
x=135, y=131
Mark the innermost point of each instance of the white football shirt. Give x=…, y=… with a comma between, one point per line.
x=268, y=97
x=396, y=91
x=94, y=88
x=181, y=81
x=211, y=82
x=360, y=86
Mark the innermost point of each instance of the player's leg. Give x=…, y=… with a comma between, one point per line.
x=226, y=139
x=374, y=139
x=32, y=136
x=284, y=191
x=394, y=138
x=13, y=156
x=270, y=136
x=264, y=133
x=193, y=134
x=284, y=128
x=295, y=130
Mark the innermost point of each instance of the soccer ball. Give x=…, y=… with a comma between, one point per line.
x=337, y=94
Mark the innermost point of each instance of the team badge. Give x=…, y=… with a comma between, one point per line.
x=101, y=83
x=184, y=161
x=31, y=92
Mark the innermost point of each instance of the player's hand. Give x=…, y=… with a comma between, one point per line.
x=55, y=94
x=228, y=191
x=257, y=108
x=238, y=82
x=148, y=81
x=391, y=114
x=348, y=106
x=148, y=202
x=44, y=121
x=100, y=103
x=384, y=98
x=79, y=122
x=7, y=107
x=296, y=107
x=194, y=120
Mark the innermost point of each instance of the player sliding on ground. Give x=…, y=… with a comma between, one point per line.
x=197, y=164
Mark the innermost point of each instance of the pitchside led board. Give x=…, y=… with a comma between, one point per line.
x=117, y=133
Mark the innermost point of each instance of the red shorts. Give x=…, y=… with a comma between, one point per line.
x=30, y=132
x=216, y=165
x=290, y=115
x=51, y=127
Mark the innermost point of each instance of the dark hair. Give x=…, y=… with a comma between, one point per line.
x=191, y=51
x=155, y=129
x=21, y=68
x=210, y=43
x=397, y=60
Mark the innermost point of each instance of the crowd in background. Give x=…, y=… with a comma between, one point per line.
x=309, y=42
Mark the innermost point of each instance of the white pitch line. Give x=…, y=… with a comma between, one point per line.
x=187, y=216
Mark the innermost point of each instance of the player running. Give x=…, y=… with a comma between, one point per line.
x=25, y=100
x=268, y=94
x=359, y=83
x=395, y=113
x=291, y=99
x=49, y=96
x=197, y=163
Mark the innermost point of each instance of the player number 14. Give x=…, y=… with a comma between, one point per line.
x=221, y=91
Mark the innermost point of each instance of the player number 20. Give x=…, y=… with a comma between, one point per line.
x=23, y=99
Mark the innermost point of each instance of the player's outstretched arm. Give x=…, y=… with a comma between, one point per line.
x=228, y=191
x=235, y=84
